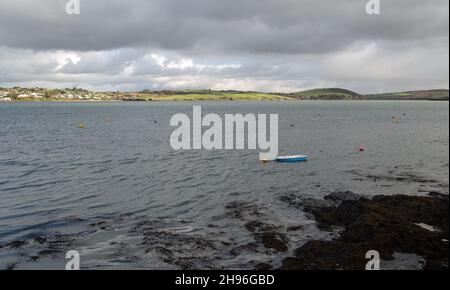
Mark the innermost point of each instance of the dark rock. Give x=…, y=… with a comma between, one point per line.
x=386, y=224
x=268, y=236
x=17, y=244
x=324, y=255
x=310, y=204
x=40, y=240
x=248, y=248
x=274, y=241
x=437, y=194
x=263, y=267
x=294, y=228
x=340, y=196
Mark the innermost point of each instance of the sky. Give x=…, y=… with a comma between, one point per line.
x=262, y=45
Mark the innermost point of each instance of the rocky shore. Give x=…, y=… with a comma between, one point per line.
x=409, y=232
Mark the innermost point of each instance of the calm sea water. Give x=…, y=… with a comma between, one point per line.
x=116, y=191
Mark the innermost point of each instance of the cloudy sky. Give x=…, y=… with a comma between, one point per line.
x=265, y=45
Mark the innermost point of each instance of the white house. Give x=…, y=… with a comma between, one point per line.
x=36, y=95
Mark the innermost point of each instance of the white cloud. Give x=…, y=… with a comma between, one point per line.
x=63, y=58
x=185, y=63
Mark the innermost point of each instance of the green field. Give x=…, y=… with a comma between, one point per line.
x=209, y=96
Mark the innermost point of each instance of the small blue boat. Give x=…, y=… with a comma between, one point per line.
x=292, y=158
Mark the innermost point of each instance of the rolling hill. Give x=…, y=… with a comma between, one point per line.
x=429, y=95
x=327, y=94
x=343, y=94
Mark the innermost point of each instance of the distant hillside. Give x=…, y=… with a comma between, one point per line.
x=203, y=95
x=428, y=95
x=18, y=94
x=327, y=94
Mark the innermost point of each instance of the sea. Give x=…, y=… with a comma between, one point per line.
x=101, y=178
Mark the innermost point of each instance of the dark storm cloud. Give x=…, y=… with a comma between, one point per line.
x=261, y=26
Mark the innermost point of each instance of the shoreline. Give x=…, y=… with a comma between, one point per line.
x=212, y=100
x=409, y=232
x=325, y=94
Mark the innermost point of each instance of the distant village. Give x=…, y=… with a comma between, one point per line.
x=41, y=94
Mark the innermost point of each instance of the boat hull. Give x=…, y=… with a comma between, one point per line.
x=292, y=159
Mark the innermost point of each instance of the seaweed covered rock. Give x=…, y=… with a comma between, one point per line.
x=387, y=224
